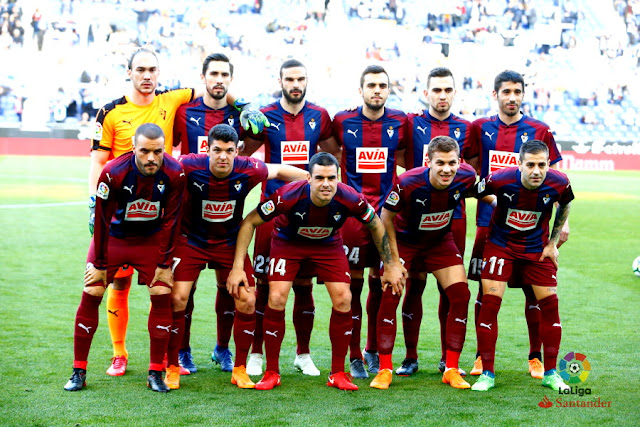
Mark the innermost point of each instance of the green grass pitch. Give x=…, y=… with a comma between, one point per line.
x=43, y=245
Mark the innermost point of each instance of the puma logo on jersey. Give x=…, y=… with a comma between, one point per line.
x=407, y=315
x=231, y=313
x=279, y=201
x=127, y=122
x=348, y=274
x=349, y=332
x=459, y=256
x=276, y=125
x=553, y=276
x=166, y=328
x=537, y=307
x=196, y=121
x=175, y=331
x=490, y=135
x=389, y=321
x=462, y=320
x=273, y=334
x=181, y=173
x=261, y=313
x=508, y=196
x=252, y=333
x=353, y=132
x=422, y=202
x=257, y=164
x=301, y=214
x=557, y=325
x=313, y=313
x=423, y=130
x=484, y=325
x=478, y=302
x=86, y=328
x=109, y=177
x=356, y=317
x=129, y=189
x=200, y=186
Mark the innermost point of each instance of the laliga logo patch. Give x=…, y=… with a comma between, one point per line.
x=97, y=133
x=230, y=121
x=312, y=124
x=457, y=133
x=315, y=232
x=238, y=185
x=524, y=137
x=481, y=186
x=546, y=199
x=393, y=198
x=103, y=191
x=268, y=207
x=213, y=211
x=522, y=220
x=161, y=187
x=390, y=131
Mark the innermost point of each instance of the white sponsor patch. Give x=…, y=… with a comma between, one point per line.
x=203, y=145
x=315, y=232
x=103, y=191
x=435, y=221
x=142, y=210
x=501, y=159
x=371, y=159
x=213, y=211
x=522, y=220
x=393, y=198
x=268, y=207
x=425, y=155
x=294, y=152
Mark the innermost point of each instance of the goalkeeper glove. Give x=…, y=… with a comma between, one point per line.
x=92, y=213
x=250, y=116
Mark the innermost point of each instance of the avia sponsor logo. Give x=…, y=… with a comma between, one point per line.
x=501, y=159
x=371, y=159
x=142, y=210
x=315, y=232
x=425, y=155
x=294, y=152
x=435, y=221
x=203, y=145
x=522, y=220
x=562, y=403
x=213, y=211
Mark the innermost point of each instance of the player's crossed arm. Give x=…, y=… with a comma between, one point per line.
x=237, y=275
x=395, y=274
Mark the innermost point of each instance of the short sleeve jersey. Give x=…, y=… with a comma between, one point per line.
x=369, y=151
x=116, y=122
x=130, y=204
x=213, y=207
x=298, y=219
x=424, y=213
x=497, y=145
x=292, y=139
x=195, y=119
x=520, y=220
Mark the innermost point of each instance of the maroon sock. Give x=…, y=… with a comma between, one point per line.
x=550, y=330
x=176, y=338
x=340, y=329
x=532, y=314
x=488, y=330
x=188, y=313
x=412, y=315
x=244, y=326
x=443, y=312
x=225, y=312
x=373, y=306
x=458, y=295
x=159, y=325
x=262, y=297
x=304, y=312
x=476, y=312
x=387, y=322
x=273, y=328
x=356, y=315
x=86, y=324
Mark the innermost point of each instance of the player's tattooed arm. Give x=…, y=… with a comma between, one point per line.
x=551, y=250
x=394, y=272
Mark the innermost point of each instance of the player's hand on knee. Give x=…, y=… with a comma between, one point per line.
x=564, y=234
x=550, y=251
x=235, y=280
x=164, y=275
x=93, y=275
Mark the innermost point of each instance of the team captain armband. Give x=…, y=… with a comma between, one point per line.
x=368, y=216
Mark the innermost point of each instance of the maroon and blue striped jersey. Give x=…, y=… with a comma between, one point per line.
x=195, y=119
x=369, y=151
x=130, y=204
x=298, y=219
x=520, y=220
x=422, y=129
x=292, y=139
x=424, y=212
x=213, y=206
x=497, y=146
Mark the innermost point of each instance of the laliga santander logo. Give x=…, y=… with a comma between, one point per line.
x=217, y=211
x=545, y=403
x=574, y=368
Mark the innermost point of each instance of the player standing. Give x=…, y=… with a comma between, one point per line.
x=137, y=211
x=191, y=128
x=494, y=144
x=519, y=239
x=217, y=186
x=421, y=129
x=298, y=128
x=370, y=137
x=308, y=215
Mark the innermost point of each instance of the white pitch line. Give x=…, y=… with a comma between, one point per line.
x=39, y=205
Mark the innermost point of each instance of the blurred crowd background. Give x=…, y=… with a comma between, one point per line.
x=64, y=59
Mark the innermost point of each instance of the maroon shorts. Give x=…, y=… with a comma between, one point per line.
x=459, y=230
x=358, y=245
x=140, y=253
x=421, y=258
x=476, y=262
x=502, y=262
x=189, y=261
x=261, y=249
x=327, y=261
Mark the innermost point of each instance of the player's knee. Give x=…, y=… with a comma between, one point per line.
x=96, y=290
x=159, y=288
x=179, y=301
